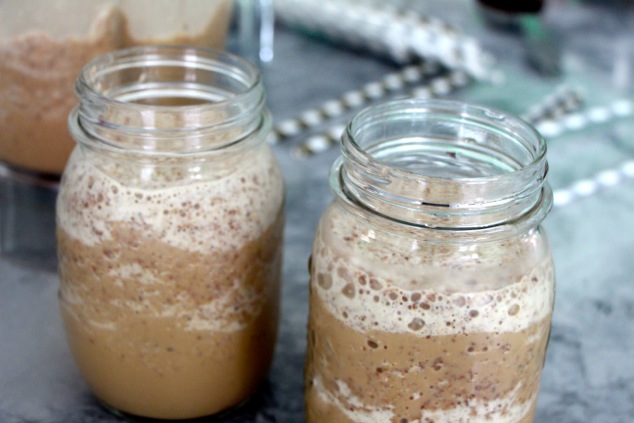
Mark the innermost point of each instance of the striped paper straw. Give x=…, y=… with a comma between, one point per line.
x=372, y=91
x=438, y=86
x=617, y=109
x=379, y=27
x=563, y=101
x=587, y=187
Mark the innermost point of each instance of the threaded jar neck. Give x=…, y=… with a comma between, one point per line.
x=168, y=100
x=443, y=164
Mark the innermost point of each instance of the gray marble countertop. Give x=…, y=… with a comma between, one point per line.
x=589, y=371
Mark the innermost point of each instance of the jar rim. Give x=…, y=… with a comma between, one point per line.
x=149, y=54
x=395, y=226
x=435, y=106
x=443, y=164
x=210, y=98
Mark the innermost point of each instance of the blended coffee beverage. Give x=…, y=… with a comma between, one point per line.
x=421, y=312
x=170, y=248
x=170, y=295
x=429, y=335
x=38, y=67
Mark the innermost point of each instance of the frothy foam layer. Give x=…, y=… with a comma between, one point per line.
x=400, y=287
x=502, y=410
x=373, y=303
x=235, y=208
x=371, y=285
x=355, y=410
x=218, y=315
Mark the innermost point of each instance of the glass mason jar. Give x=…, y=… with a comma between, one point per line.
x=432, y=281
x=169, y=228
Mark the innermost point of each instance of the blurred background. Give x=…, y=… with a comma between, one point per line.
x=564, y=65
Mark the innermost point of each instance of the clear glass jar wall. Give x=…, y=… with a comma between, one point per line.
x=169, y=228
x=432, y=283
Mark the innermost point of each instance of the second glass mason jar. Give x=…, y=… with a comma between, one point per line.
x=432, y=282
x=44, y=44
x=169, y=226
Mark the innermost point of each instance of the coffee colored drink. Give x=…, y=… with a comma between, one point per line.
x=38, y=68
x=400, y=333
x=170, y=291
x=169, y=227
x=432, y=283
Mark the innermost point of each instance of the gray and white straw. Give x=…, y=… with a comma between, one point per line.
x=379, y=27
x=562, y=101
x=438, y=86
x=580, y=120
x=590, y=186
x=372, y=91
